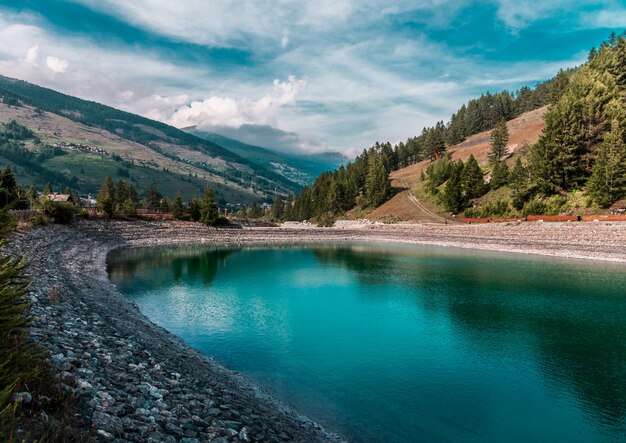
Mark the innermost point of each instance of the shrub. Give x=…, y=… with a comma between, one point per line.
x=498, y=208
x=555, y=204
x=58, y=212
x=326, y=220
x=37, y=219
x=534, y=207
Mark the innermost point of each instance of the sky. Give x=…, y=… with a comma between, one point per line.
x=301, y=76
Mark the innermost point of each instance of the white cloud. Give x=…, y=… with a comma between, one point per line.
x=234, y=112
x=56, y=64
x=32, y=55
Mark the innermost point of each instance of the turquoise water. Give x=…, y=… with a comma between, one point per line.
x=397, y=343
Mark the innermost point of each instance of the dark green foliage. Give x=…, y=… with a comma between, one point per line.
x=377, y=185
x=519, y=181
x=277, y=209
x=453, y=197
x=588, y=109
x=208, y=208
x=499, y=175
x=57, y=212
x=608, y=179
x=194, y=209
x=177, y=207
x=326, y=220
x=153, y=199
x=438, y=172
x=499, y=139
x=17, y=353
x=11, y=194
x=534, y=207
x=473, y=180
x=496, y=209
x=106, y=198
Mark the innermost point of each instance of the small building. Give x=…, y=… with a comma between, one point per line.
x=55, y=197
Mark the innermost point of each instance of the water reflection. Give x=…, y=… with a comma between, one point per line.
x=535, y=301
x=564, y=318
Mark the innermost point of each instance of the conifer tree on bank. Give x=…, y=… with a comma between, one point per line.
x=473, y=180
x=208, y=208
x=106, y=197
x=453, y=198
x=378, y=185
x=499, y=139
x=608, y=180
x=177, y=207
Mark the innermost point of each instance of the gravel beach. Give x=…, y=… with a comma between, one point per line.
x=137, y=382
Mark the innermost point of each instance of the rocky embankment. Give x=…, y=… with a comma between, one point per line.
x=137, y=382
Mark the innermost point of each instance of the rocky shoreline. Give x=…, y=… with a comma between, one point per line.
x=137, y=382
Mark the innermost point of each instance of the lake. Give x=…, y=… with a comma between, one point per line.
x=387, y=343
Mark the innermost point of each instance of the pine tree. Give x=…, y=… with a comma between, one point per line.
x=499, y=175
x=8, y=187
x=153, y=199
x=453, y=197
x=378, y=185
x=519, y=180
x=473, y=180
x=555, y=160
x=177, y=207
x=608, y=179
x=499, y=139
x=47, y=190
x=32, y=197
x=106, y=197
x=277, y=209
x=194, y=209
x=208, y=208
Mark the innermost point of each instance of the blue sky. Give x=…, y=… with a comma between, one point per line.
x=307, y=76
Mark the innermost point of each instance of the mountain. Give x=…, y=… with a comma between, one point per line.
x=76, y=143
x=300, y=168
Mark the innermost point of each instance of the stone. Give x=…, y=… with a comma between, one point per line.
x=172, y=429
x=108, y=423
x=23, y=397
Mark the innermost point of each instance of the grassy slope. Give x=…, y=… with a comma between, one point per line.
x=524, y=129
x=148, y=144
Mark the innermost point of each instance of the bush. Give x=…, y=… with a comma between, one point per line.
x=58, y=212
x=498, y=208
x=534, y=207
x=555, y=204
x=37, y=219
x=326, y=220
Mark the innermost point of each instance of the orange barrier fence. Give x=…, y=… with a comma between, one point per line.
x=613, y=217
x=553, y=218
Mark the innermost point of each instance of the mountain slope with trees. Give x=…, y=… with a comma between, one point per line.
x=571, y=159
x=121, y=145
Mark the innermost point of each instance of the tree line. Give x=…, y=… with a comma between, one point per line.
x=121, y=200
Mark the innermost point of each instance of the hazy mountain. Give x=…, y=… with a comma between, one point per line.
x=299, y=168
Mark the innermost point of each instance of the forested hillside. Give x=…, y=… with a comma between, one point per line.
x=121, y=145
x=579, y=161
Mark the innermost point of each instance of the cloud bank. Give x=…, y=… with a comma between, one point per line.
x=337, y=74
